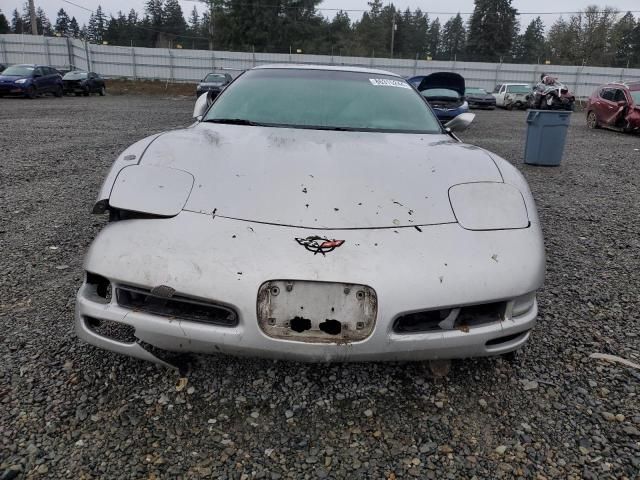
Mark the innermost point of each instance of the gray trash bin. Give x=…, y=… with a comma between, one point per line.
x=546, y=134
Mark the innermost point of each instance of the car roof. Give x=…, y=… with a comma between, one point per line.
x=335, y=68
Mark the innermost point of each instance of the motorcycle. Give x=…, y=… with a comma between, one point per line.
x=550, y=94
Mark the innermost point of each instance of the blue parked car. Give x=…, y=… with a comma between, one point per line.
x=30, y=81
x=445, y=93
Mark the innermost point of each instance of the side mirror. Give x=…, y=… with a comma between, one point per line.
x=460, y=123
x=200, y=107
x=622, y=103
x=36, y=75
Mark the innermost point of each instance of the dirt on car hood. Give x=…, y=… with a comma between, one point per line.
x=321, y=179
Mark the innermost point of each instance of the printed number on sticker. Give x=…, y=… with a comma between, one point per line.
x=385, y=82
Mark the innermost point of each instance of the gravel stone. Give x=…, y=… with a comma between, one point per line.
x=56, y=391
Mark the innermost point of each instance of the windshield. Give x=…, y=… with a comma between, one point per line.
x=440, y=93
x=18, y=71
x=635, y=95
x=518, y=89
x=75, y=76
x=215, y=77
x=475, y=91
x=324, y=100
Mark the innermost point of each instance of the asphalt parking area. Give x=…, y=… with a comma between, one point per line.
x=69, y=410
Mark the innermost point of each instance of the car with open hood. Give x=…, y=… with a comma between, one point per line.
x=445, y=93
x=615, y=106
x=313, y=213
x=30, y=80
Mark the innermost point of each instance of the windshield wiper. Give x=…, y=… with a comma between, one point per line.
x=234, y=121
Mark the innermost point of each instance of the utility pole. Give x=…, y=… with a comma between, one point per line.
x=393, y=31
x=32, y=14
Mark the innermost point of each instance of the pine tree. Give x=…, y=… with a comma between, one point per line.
x=4, y=24
x=74, y=29
x=454, y=37
x=16, y=22
x=173, y=19
x=433, y=39
x=622, y=40
x=194, y=20
x=492, y=28
x=62, y=26
x=532, y=43
x=100, y=24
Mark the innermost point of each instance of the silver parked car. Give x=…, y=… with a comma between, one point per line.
x=317, y=214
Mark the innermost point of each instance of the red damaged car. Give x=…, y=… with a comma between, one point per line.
x=616, y=106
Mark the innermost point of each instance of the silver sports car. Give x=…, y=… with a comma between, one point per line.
x=317, y=214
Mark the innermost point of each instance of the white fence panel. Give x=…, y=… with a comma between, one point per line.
x=192, y=65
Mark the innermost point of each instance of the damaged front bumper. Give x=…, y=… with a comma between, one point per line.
x=420, y=291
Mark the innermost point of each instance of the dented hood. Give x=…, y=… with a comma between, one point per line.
x=320, y=179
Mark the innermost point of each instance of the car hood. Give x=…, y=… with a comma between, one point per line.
x=450, y=80
x=10, y=78
x=321, y=179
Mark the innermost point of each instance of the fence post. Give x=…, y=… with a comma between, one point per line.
x=133, y=63
x=253, y=51
x=213, y=60
x=415, y=65
x=578, y=75
x=70, y=53
x=170, y=64
x=4, y=51
x=86, y=52
x=46, y=49
x=498, y=67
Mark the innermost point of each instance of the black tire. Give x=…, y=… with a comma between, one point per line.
x=31, y=92
x=86, y=92
x=58, y=92
x=592, y=120
x=103, y=91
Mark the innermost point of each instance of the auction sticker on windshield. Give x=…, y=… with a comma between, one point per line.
x=386, y=82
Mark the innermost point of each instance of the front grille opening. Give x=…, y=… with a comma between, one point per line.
x=505, y=339
x=427, y=321
x=467, y=318
x=101, y=285
x=177, y=306
x=476, y=315
x=120, y=332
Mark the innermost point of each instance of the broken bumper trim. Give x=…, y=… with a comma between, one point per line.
x=246, y=339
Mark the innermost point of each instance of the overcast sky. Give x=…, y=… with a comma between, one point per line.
x=463, y=6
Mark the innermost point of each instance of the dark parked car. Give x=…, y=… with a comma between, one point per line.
x=30, y=81
x=214, y=83
x=616, y=106
x=81, y=82
x=444, y=91
x=479, y=98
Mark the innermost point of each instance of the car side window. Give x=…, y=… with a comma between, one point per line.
x=497, y=89
x=619, y=96
x=607, y=94
x=38, y=71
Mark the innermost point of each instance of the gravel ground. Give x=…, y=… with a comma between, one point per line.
x=69, y=410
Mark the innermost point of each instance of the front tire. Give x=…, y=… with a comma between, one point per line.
x=31, y=92
x=58, y=92
x=592, y=120
x=103, y=91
